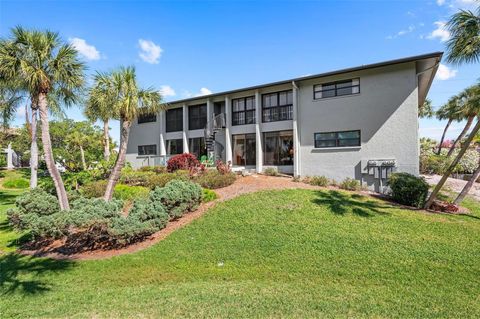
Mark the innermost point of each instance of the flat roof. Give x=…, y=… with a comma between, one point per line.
x=437, y=54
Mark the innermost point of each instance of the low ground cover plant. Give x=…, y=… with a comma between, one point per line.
x=208, y=195
x=350, y=184
x=213, y=179
x=408, y=189
x=270, y=171
x=317, y=181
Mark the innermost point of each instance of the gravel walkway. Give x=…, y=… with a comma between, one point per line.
x=455, y=185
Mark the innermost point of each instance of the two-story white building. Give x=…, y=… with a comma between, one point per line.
x=360, y=122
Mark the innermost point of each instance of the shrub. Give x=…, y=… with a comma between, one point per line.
x=208, y=195
x=38, y=212
x=156, y=169
x=178, y=197
x=19, y=183
x=86, y=212
x=127, y=192
x=270, y=171
x=407, y=189
x=161, y=180
x=184, y=161
x=212, y=179
x=223, y=168
x=318, y=181
x=350, y=184
x=135, y=178
x=94, y=189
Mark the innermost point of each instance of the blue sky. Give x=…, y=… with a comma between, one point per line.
x=189, y=48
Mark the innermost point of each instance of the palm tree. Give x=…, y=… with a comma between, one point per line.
x=99, y=107
x=463, y=47
x=129, y=101
x=10, y=99
x=448, y=111
x=426, y=110
x=45, y=66
x=79, y=140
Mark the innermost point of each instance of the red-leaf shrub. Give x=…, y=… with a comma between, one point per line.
x=223, y=168
x=184, y=161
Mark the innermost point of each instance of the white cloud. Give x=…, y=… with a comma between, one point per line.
x=400, y=33
x=440, y=32
x=440, y=2
x=445, y=73
x=150, y=52
x=85, y=49
x=203, y=91
x=167, y=90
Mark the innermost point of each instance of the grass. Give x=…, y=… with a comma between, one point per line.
x=292, y=253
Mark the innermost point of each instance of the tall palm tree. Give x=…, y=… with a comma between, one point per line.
x=468, y=110
x=45, y=65
x=129, y=101
x=463, y=47
x=450, y=112
x=426, y=110
x=99, y=107
x=10, y=98
x=78, y=140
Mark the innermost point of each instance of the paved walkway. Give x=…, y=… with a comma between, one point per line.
x=455, y=185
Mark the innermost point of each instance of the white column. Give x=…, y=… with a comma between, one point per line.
x=296, y=142
x=258, y=131
x=163, y=152
x=209, y=110
x=228, y=137
x=10, y=157
x=185, y=129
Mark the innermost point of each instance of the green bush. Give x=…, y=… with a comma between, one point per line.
x=178, y=197
x=208, y=195
x=86, y=212
x=94, y=189
x=38, y=212
x=407, y=189
x=270, y=171
x=161, y=180
x=135, y=178
x=318, y=181
x=19, y=183
x=213, y=179
x=350, y=184
x=155, y=169
x=127, y=192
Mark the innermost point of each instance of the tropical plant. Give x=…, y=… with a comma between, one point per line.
x=449, y=112
x=44, y=65
x=128, y=101
x=77, y=140
x=426, y=109
x=463, y=47
x=10, y=99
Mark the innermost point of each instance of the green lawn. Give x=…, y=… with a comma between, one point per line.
x=292, y=253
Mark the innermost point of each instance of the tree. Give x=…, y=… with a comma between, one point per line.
x=78, y=140
x=450, y=112
x=426, y=110
x=10, y=99
x=45, y=65
x=128, y=102
x=468, y=109
x=99, y=107
x=463, y=47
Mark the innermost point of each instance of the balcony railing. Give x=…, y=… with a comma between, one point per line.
x=277, y=113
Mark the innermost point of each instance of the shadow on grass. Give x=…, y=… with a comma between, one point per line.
x=7, y=198
x=342, y=203
x=21, y=273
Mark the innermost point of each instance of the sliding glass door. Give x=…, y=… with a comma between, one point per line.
x=244, y=150
x=278, y=148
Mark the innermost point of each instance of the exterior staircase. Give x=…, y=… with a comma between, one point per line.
x=214, y=125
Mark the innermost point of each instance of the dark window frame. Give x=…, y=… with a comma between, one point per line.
x=249, y=159
x=143, y=148
x=146, y=118
x=277, y=154
x=337, y=139
x=281, y=109
x=245, y=111
x=202, y=147
x=199, y=121
x=176, y=141
x=174, y=124
x=336, y=88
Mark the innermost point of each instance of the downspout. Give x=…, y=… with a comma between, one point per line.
x=296, y=143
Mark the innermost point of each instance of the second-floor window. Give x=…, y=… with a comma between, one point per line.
x=277, y=106
x=147, y=149
x=243, y=111
x=197, y=116
x=174, y=120
x=339, y=88
x=147, y=118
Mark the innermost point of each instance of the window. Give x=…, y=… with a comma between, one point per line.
x=244, y=149
x=197, y=147
x=174, y=120
x=174, y=147
x=337, y=139
x=278, y=148
x=147, y=118
x=339, y=88
x=243, y=111
x=197, y=117
x=277, y=106
x=218, y=108
x=147, y=149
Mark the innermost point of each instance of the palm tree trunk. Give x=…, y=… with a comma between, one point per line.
x=33, y=151
x=468, y=186
x=462, y=134
x=452, y=166
x=106, y=141
x=443, y=136
x=82, y=155
x=27, y=122
x=47, y=149
x=115, y=175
